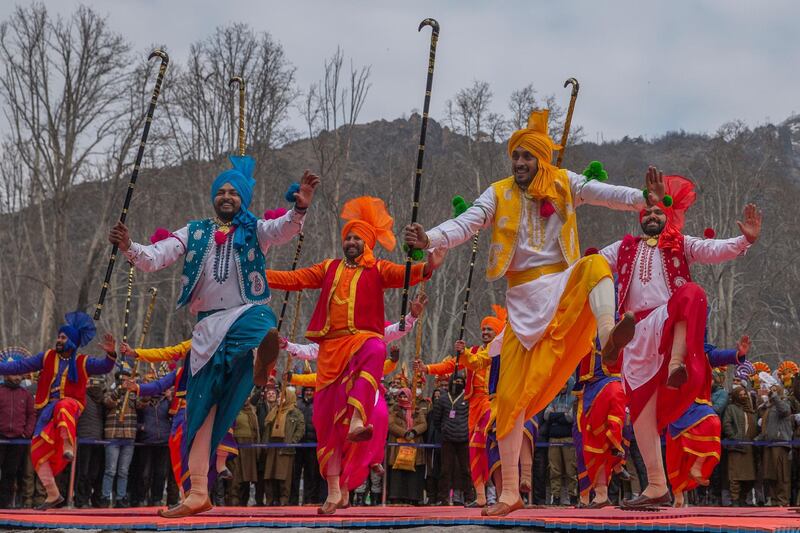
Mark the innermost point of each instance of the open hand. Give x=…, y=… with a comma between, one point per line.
x=108, y=344
x=435, y=259
x=308, y=183
x=654, y=181
x=419, y=367
x=418, y=304
x=751, y=227
x=394, y=353
x=743, y=346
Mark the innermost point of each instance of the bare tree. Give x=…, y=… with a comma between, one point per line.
x=59, y=85
x=331, y=109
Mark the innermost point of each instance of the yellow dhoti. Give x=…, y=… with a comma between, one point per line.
x=530, y=378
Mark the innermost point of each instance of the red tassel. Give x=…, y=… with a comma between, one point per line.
x=709, y=233
x=271, y=214
x=591, y=251
x=159, y=235
x=220, y=237
x=546, y=210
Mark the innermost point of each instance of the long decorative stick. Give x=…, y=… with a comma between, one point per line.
x=292, y=336
x=417, y=352
x=568, y=121
x=420, y=157
x=469, y=286
x=285, y=303
x=238, y=80
x=142, y=336
x=135, y=174
x=126, y=320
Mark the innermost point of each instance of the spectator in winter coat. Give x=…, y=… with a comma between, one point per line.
x=776, y=425
x=155, y=423
x=739, y=423
x=284, y=424
x=121, y=423
x=719, y=395
x=406, y=424
x=451, y=418
x=559, y=416
x=91, y=457
x=306, y=465
x=17, y=420
x=244, y=466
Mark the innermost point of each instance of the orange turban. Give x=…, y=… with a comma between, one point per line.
x=368, y=218
x=496, y=322
x=537, y=141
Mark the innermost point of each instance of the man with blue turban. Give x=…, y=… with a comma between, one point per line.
x=61, y=396
x=224, y=283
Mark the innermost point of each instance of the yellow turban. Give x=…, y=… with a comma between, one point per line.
x=537, y=141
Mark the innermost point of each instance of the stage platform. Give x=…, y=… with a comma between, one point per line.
x=701, y=519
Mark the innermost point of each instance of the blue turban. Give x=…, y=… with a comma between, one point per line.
x=80, y=330
x=241, y=178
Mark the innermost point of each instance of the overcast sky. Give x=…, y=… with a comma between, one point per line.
x=645, y=67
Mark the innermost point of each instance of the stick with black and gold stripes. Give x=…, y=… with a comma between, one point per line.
x=420, y=157
x=135, y=174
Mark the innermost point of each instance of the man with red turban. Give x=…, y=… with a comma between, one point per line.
x=664, y=367
x=348, y=325
x=477, y=363
x=535, y=246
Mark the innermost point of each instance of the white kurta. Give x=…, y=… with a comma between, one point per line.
x=311, y=350
x=648, y=290
x=537, y=245
x=218, y=285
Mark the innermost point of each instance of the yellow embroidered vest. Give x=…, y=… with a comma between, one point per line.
x=507, y=218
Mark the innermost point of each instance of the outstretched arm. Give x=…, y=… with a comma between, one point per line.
x=297, y=280
x=22, y=366
x=156, y=355
x=453, y=232
x=103, y=365
x=152, y=257
x=304, y=352
x=710, y=251
x=593, y=192
x=154, y=388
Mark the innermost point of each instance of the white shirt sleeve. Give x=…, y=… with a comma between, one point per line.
x=611, y=253
x=455, y=231
x=713, y=251
x=160, y=255
x=593, y=192
x=279, y=230
x=304, y=352
x=393, y=333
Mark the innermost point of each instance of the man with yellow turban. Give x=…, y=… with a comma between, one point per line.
x=348, y=325
x=556, y=300
x=477, y=363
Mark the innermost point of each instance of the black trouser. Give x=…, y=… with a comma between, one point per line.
x=455, y=470
x=307, y=467
x=540, y=480
x=11, y=463
x=90, y=463
x=154, y=464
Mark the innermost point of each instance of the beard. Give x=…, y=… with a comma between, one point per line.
x=652, y=231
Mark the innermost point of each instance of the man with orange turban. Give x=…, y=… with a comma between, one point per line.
x=477, y=363
x=348, y=325
x=535, y=246
x=664, y=367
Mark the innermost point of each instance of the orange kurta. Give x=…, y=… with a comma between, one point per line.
x=476, y=392
x=339, y=345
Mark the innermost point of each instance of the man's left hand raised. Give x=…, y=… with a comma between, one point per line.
x=308, y=183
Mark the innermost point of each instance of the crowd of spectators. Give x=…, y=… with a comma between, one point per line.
x=131, y=465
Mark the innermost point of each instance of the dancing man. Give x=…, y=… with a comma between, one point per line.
x=664, y=366
x=223, y=282
x=348, y=325
x=476, y=393
x=534, y=244
x=61, y=396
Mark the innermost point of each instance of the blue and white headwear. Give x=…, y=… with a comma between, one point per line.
x=14, y=353
x=80, y=330
x=241, y=178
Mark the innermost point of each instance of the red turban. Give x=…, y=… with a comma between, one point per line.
x=683, y=196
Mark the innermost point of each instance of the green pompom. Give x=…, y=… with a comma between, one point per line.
x=667, y=200
x=646, y=194
x=416, y=253
x=595, y=171
x=459, y=205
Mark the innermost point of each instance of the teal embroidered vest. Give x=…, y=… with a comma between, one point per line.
x=250, y=264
